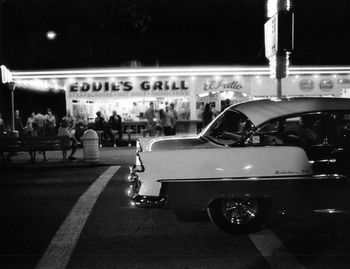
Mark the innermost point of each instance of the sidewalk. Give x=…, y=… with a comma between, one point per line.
x=107, y=156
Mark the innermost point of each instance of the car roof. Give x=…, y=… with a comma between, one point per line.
x=260, y=111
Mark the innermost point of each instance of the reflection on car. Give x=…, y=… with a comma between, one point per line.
x=256, y=162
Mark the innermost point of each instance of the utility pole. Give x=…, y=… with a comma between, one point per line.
x=12, y=87
x=279, y=39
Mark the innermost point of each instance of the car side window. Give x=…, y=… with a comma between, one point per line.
x=303, y=130
x=339, y=127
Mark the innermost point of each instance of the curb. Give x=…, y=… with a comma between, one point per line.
x=108, y=157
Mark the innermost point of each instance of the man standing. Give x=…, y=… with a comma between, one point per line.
x=199, y=113
x=150, y=116
x=18, y=123
x=100, y=126
x=39, y=121
x=226, y=104
x=50, y=123
x=115, y=124
x=174, y=117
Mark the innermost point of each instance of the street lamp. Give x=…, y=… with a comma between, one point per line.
x=71, y=36
x=51, y=35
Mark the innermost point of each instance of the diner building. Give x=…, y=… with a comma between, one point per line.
x=130, y=90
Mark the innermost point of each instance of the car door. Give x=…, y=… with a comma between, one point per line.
x=308, y=130
x=331, y=193
x=339, y=140
x=312, y=136
x=325, y=137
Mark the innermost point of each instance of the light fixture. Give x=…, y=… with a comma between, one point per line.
x=205, y=94
x=51, y=35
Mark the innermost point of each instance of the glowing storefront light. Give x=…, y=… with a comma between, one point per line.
x=175, y=72
x=96, y=89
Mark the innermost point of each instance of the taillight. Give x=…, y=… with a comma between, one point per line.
x=138, y=146
x=138, y=164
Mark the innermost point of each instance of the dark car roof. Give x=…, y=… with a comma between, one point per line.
x=259, y=111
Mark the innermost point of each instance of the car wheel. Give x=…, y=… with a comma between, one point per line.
x=237, y=215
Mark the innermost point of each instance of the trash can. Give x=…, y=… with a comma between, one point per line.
x=15, y=133
x=90, y=146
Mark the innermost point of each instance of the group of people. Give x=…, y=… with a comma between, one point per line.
x=109, y=128
x=38, y=124
x=162, y=121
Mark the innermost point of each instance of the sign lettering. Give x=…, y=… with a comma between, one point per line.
x=128, y=88
x=214, y=85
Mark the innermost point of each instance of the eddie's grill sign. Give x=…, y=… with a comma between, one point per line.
x=126, y=86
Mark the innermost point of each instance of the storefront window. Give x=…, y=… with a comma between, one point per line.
x=132, y=109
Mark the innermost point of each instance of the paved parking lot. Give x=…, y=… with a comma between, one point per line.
x=81, y=218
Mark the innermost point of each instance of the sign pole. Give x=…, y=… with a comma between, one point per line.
x=279, y=40
x=12, y=88
x=279, y=87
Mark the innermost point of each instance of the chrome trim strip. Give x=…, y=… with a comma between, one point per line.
x=323, y=161
x=172, y=138
x=270, y=178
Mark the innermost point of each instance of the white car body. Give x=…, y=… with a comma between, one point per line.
x=221, y=164
x=255, y=157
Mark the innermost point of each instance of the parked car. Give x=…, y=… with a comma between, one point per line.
x=256, y=160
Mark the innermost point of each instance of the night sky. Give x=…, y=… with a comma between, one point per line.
x=111, y=33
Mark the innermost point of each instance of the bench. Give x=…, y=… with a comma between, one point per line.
x=32, y=144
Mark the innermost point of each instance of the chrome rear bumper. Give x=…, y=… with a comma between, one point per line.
x=138, y=200
x=148, y=201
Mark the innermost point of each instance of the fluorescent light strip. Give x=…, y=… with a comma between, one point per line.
x=173, y=72
x=126, y=75
x=141, y=71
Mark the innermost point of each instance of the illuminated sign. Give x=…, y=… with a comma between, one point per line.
x=326, y=84
x=6, y=75
x=270, y=29
x=279, y=34
x=343, y=81
x=214, y=85
x=306, y=85
x=125, y=88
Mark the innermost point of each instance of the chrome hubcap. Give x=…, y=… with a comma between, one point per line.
x=239, y=211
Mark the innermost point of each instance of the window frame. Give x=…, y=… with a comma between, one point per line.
x=325, y=115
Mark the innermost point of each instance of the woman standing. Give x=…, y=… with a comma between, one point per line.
x=207, y=115
x=29, y=124
x=160, y=122
x=168, y=121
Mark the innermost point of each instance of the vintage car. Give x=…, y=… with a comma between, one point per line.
x=255, y=161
